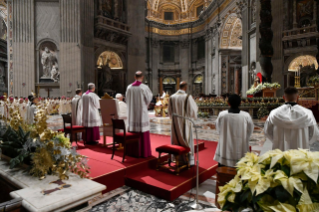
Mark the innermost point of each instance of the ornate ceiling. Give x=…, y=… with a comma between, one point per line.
x=182, y=10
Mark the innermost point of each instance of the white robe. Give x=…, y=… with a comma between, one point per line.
x=90, y=115
x=234, y=130
x=77, y=110
x=291, y=127
x=23, y=111
x=138, y=98
x=181, y=129
x=31, y=112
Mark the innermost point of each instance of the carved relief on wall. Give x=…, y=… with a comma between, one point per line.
x=48, y=67
x=3, y=22
x=231, y=33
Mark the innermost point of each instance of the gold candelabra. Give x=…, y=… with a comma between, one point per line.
x=297, y=78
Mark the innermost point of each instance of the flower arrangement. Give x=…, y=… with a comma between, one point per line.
x=262, y=111
x=253, y=90
x=276, y=181
x=47, y=152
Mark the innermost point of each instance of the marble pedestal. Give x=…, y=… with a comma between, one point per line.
x=29, y=189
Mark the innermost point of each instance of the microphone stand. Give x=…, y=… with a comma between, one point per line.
x=195, y=205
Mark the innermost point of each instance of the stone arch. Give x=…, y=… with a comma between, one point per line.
x=121, y=54
x=300, y=59
x=112, y=58
x=47, y=40
x=231, y=33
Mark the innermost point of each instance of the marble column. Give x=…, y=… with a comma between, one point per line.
x=208, y=66
x=154, y=63
x=237, y=85
x=278, y=59
x=245, y=54
x=314, y=22
x=136, y=49
x=185, y=59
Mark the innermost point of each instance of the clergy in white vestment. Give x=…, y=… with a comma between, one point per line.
x=23, y=109
x=31, y=109
x=291, y=126
x=77, y=108
x=235, y=128
x=91, y=118
x=122, y=113
x=184, y=105
x=138, y=97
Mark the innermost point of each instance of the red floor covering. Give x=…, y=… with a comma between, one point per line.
x=140, y=173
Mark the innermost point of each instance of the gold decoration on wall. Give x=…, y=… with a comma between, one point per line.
x=305, y=60
x=111, y=58
x=183, y=18
x=231, y=32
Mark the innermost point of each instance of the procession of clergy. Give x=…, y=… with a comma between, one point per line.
x=290, y=126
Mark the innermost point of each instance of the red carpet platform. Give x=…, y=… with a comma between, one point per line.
x=140, y=173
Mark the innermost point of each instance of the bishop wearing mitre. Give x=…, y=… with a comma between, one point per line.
x=184, y=105
x=291, y=126
x=138, y=97
x=91, y=116
x=23, y=109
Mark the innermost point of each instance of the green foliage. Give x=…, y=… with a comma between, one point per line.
x=14, y=146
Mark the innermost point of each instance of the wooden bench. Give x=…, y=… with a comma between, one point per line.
x=14, y=205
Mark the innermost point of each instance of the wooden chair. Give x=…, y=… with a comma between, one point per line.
x=123, y=137
x=72, y=130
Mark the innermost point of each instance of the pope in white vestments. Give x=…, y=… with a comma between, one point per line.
x=77, y=108
x=235, y=128
x=183, y=104
x=122, y=113
x=291, y=126
x=31, y=109
x=23, y=109
x=138, y=97
x=91, y=118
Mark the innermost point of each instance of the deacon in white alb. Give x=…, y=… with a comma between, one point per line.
x=138, y=97
x=235, y=128
x=291, y=126
x=77, y=108
x=183, y=104
x=90, y=116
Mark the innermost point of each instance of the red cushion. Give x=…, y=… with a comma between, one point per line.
x=76, y=127
x=173, y=149
x=129, y=135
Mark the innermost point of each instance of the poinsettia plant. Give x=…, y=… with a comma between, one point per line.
x=276, y=181
x=253, y=90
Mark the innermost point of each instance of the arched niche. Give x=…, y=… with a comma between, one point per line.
x=198, y=85
x=169, y=85
x=306, y=64
x=110, y=59
x=231, y=33
x=48, y=62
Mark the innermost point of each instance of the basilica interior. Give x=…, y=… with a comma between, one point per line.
x=252, y=48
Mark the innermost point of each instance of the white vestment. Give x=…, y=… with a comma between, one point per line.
x=234, y=130
x=77, y=110
x=291, y=127
x=31, y=111
x=182, y=130
x=138, y=98
x=90, y=115
x=23, y=111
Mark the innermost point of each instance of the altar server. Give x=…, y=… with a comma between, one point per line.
x=77, y=108
x=235, y=128
x=90, y=116
x=183, y=104
x=138, y=97
x=291, y=126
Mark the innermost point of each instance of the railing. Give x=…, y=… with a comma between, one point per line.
x=109, y=22
x=299, y=31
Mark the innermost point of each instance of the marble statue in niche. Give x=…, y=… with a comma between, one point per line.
x=49, y=68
